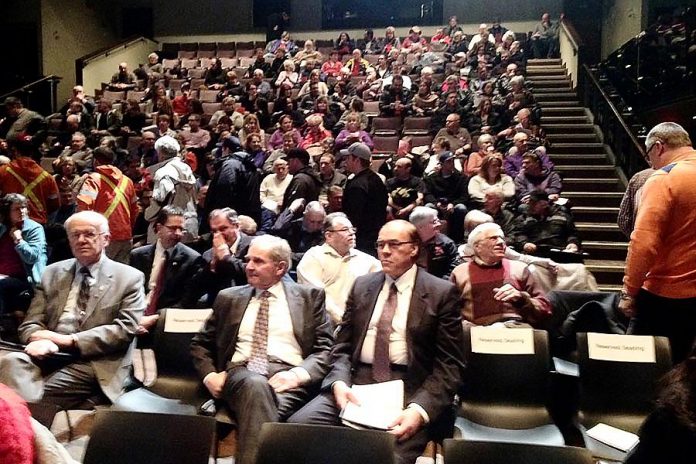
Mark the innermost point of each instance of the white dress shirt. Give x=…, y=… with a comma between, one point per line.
x=282, y=343
x=68, y=321
x=398, y=351
x=322, y=267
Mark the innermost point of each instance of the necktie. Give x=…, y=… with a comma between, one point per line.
x=159, y=283
x=83, y=295
x=258, y=361
x=381, y=370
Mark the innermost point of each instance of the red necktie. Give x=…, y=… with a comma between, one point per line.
x=381, y=365
x=159, y=283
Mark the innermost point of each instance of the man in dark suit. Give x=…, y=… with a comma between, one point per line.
x=224, y=261
x=87, y=307
x=401, y=323
x=170, y=267
x=264, y=351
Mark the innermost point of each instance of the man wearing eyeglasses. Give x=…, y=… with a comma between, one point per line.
x=80, y=325
x=659, y=288
x=336, y=264
x=401, y=323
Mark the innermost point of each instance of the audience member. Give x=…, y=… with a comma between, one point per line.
x=302, y=233
x=438, y=253
x=123, y=79
x=535, y=177
x=490, y=176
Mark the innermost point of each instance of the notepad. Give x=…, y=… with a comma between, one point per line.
x=611, y=436
x=380, y=405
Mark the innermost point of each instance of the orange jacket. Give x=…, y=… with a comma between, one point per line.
x=23, y=175
x=109, y=192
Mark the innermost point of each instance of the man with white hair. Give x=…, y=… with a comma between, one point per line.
x=482, y=35
x=174, y=184
x=265, y=349
x=336, y=264
x=438, y=253
x=80, y=325
x=495, y=289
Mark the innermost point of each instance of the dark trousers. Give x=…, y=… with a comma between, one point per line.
x=322, y=410
x=254, y=403
x=668, y=317
x=11, y=290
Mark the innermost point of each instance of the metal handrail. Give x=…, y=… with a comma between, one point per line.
x=628, y=151
x=52, y=81
x=111, y=48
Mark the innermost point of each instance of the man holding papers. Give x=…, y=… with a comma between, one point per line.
x=401, y=323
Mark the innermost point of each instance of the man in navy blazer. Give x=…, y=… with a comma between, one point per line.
x=179, y=263
x=424, y=344
x=264, y=375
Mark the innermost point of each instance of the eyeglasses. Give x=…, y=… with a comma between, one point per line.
x=88, y=235
x=174, y=228
x=351, y=230
x=391, y=243
x=649, y=148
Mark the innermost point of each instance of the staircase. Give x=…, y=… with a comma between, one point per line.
x=590, y=181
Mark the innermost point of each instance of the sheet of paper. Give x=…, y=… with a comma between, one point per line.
x=495, y=340
x=621, y=348
x=380, y=405
x=185, y=320
x=566, y=367
x=616, y=438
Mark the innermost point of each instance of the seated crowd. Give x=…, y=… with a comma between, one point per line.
x=228, y=209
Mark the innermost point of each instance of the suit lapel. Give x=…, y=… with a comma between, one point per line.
x=416, y=308
x=296, y=306
x=238, y=306
x=362, y=318
x=103, y=282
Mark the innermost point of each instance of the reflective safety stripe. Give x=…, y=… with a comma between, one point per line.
x=119, y=194
x=29, y=188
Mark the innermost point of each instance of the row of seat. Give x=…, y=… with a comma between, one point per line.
x=145, y=438
x=505, y=396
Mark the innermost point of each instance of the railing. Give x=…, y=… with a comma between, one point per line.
x=571, y=49
x=628, y=151
x=40, y=95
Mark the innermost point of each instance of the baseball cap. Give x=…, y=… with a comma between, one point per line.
x=299, y=153
x=446, y=156
x=359, y=150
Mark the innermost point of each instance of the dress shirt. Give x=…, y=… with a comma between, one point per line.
x=158, y=261
x=274, y=189
x=398, y=351
x=281, y=338
x=322, y=267
x=68, y=324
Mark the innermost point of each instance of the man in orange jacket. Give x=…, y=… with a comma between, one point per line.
x=25, y=176
x=109, y=192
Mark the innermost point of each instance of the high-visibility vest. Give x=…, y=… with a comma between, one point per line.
x=119, y=193
x=30, y=186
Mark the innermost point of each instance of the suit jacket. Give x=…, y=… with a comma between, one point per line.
x=228, y=273
x=179, y=276
x=105, y=337
x=434, y=338
x=215, y=344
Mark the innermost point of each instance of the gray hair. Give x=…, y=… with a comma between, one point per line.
x=92, y=217
x=670, y=134
x=484, y=137
x=278, y=248
x=168, y=146
x=480, y=229
x=474, y=218
x=330, y=220
x=421, y=214
x=229, y=214
x=314, y=207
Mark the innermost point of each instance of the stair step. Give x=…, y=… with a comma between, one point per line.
x=563, y=111
x=574, y=103
x=569, y=128
x=572, y=138
x=606, y=250
x=546, y=71
x=552, y=77
x=566, y=159
x=607, y=214
x=550, y=85
x=606, y=271
x=555, y=96
x=577, y=148
x=543, y=61
x=599, y=231
x=595, y=199
x=586, y=171
x=579, y=184
x=545, y=119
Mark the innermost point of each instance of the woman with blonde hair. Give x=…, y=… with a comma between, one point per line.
x=251, y=126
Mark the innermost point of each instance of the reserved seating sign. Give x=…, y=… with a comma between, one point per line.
x=185, y=320
x=500, y=340
x=621, y=348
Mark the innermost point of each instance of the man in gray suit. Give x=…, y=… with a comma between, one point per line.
x=80, y=325
x=264, y=351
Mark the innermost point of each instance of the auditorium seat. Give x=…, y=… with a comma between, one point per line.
x=386, y=126
x=464, y=452
x=418, y=125
x=208, y=96
x=385, y=144
x=189, y=63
